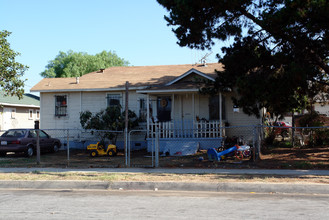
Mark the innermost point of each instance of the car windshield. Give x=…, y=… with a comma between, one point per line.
x=14, y=133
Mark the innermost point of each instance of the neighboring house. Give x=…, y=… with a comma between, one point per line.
x=321, y=103
x=164, y=97
x=19, y=113
x=322, y=108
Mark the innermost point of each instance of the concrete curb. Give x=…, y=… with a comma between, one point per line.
x=170, y=186
x=172, y=170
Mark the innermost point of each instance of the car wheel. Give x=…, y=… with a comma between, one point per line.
x=93, y=153
x=29, y=152
x=55, y=148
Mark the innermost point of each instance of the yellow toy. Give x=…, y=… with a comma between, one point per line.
x=99, y=150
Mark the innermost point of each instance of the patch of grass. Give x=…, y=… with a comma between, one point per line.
x=302, y=165
x=285, y=166
x=159, y=177
x=36, y=172
x=5, y=162
x=285, y=144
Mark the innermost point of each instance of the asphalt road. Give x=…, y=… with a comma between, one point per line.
x=103, y=204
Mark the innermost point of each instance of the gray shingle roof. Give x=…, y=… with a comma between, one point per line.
x=27, y=100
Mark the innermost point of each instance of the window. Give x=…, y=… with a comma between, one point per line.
x=37, y=114
x=42, y=134
x=113, y=100
x=30, y=113
x=14, y=133
x=164, y=108
x=142, y=110
x=32, y=134
x=214, y=108
x=60, y=105
x=13, y=113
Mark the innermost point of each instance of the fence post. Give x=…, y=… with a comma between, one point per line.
x=38, y=146
x=129, y=147
x=259, y=131
x=68, y=147
x=157, y=147
x=152, y=149
x=254, y=143
x=126, y=122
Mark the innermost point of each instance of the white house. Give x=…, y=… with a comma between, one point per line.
x=166, y=97
x=19, y=113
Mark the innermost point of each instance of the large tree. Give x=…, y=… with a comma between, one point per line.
x=278, y=52
x=74, y=64
x=10, y=70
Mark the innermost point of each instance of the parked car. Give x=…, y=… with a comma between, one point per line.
x=25, y=140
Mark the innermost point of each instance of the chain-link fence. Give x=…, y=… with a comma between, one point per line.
x=167, y=148
x=287, y=136
x=75, y=150
x=91, y=148
x=94, y=148
x=138, y=153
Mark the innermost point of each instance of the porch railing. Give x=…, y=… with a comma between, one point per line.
x=186, y=129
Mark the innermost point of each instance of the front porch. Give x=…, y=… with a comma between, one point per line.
x=184, y=137
x=182, y=119
x=186, y=129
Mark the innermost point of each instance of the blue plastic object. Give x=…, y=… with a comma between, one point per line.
x=214, y=155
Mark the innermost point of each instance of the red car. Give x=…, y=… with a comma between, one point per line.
x=25, y=140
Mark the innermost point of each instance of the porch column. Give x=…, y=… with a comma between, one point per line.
x=220, y=114
x=193, y=106
x=148, y=114
x=181, y=108
x=172, y=107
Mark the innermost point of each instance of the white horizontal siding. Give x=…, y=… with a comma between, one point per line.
x=322, y=109
x=21, y=119
x=78, y=102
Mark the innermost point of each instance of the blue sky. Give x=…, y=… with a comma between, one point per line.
x=135, y=30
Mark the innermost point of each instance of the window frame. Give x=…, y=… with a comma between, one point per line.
x=31, y=117
x=61, y=109
x=37, y=114
x=13, y=113
x=114, y=96
x=142, y=110
x=214, y=108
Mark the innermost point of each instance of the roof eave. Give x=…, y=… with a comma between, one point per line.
x=168, y=91
x=87, y=90
x=188, y=73
x=19, y=105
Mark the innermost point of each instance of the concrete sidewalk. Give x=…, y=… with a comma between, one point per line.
x=173, y=186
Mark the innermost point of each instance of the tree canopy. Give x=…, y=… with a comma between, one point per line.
x=10, y=70
x=74, y=64
x=278, y=52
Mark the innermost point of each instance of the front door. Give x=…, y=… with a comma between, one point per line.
x=164, y=108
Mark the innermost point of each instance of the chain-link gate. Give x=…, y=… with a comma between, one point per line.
x=142, y=151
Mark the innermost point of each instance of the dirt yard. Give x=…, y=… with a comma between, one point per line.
x=276, y=158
